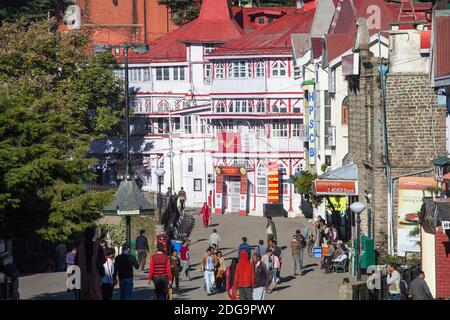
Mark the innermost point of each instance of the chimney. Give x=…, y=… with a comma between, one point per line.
x=299, y=4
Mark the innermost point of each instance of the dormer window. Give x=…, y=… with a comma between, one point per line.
x=261, y=20
x=209, y=47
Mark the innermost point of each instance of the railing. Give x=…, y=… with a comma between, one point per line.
x=362, y=292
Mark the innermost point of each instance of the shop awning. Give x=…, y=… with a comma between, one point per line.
x=342, y=181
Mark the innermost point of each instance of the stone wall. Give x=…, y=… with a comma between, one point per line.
x=416, y=135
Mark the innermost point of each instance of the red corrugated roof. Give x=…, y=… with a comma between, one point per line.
x=215, y=24
x=442, y=46
x=275, y=38
x=342, y=31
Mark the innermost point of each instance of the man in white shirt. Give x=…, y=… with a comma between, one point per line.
x=214, y=238
x=393, y=281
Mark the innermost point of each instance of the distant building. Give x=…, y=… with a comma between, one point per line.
x=116, y=22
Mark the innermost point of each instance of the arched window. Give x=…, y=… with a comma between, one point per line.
x=279, y=107
x=261, y=106
x=163, y=106
x=220, y=106
x=260, y=69
x=345, y=112
x=220, y=71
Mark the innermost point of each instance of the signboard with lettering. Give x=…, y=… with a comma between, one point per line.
x=273, y=183
x=311, y=130
x=336, y=187
x=128, y=212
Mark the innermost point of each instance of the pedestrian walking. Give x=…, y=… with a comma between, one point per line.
x=244, y=278
x=419, y=290
x=160, y=273
x=260, y=250
x=90, y=259
x=209, y=262
x=175, y=267
x=295, y=250
x=70, y=257
x=214, y=238
x=123, y=267
x=233, y=294
x=271, y=230
x=262, y=278
x=206, y=215
x=61, y=252
x=278, y=253
x=141, y=247
x=244, y=246
x=273, y=264
x=182, y=198
x=393, y=281
x=108, y=280
x=184, y=257
x=220, y=271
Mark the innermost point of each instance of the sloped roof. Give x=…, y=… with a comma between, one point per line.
x=275, y=38
x=441, y=161
x=129, y=198
x=215, y=24
x=342, y=32
x=347, y=172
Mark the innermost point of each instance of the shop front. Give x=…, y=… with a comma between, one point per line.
x=340, y=189
x=232, y=190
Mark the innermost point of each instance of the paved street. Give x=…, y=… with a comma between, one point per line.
x=314, y=284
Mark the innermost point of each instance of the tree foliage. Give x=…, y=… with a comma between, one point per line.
x=304, y=185
x=54, y=100
x=182, y=11
x=11, y=10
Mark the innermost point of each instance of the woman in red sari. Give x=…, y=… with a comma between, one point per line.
x=206, y=214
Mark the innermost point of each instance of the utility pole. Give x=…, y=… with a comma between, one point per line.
x=172, y=182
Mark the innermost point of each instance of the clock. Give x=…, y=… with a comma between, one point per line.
x=218, y=171
x=243, y=171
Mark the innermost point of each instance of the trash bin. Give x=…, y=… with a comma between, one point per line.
x=367, y=255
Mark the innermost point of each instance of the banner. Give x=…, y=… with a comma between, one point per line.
x=411, y=192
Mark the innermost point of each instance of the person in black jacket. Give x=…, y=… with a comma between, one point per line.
x=123, y=267
x=262, y=278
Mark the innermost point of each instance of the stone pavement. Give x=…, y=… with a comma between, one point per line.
x=314, y=284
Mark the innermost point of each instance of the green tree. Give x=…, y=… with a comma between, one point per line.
x=30, y=9
x=55, y=99
x=304, y=185
x=182, y=11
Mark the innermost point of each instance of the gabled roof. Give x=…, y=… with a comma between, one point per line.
x=342, y=32
x=275, y=38
x=441, y=161
x=215, y=24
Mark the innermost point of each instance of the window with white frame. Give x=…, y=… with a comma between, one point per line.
x=260, y=68
x=230, y=70
x=135, y=74
x=164, y=106
x=220, y=106
x=261, y=106
x=297, y=128
x=261, y=180
x=210, y=178
x=190, y=164
x=205, y=126
x=220, y=71
x=179, y=73
x=120, y=73
x=261, y=129
x=230, y=106
x=279, y=107
x=188, y=124
x=297, y=108
x=279, y=69
x=162, y=73
x=250, y=106
x=282, y=169
x=240, y=69
x=240, y=106
x=208, y=72
x=279, y=128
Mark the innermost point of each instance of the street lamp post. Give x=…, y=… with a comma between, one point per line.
x=358, y=207
x=128, y=200
x=159, y=173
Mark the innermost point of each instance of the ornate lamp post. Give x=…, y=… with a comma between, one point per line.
x=358, y=207
x=159, y=173
x=128, y=199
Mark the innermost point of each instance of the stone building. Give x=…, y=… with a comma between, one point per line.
x=403, y=139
